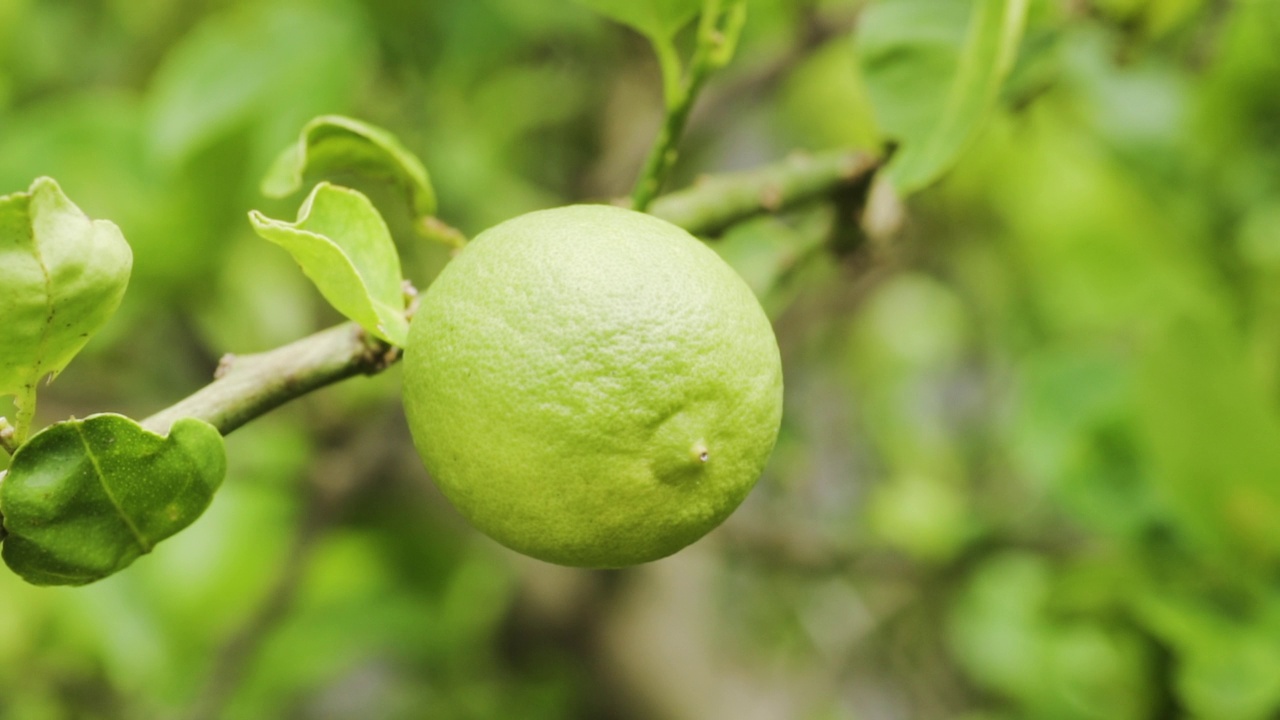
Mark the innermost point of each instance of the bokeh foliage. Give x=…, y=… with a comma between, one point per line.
x=1030, y=465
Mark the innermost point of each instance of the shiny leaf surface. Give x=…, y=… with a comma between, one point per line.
x=85, y=498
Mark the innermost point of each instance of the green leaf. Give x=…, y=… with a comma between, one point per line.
x=659, y=20
x=934, y=69
x=334, y=143
x=85, y=498
x=344, y=246
x=62, y=276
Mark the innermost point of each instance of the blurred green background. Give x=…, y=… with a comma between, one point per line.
x=1030, y=464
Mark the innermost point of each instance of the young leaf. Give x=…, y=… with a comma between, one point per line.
x=85, y=498
x=658, y=20
x=934, y=69
x=62, y=276
x=334, y=142
x=344, y=246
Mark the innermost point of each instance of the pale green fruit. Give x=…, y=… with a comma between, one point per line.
x=592, y=386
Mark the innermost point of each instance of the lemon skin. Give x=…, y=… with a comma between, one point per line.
x=592, y=386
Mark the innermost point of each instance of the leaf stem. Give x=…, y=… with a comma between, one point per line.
x=717, y=35
x=25, y=416
x=672, y=73
x=715, y=203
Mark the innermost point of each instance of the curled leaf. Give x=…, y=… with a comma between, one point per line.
x=62, y=276
x=85, y=498
x=344, y=246
x=332, y=143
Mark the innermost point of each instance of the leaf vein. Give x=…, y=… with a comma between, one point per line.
x=102, y=480
x=48, y=303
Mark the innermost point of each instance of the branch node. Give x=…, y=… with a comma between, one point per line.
x=712, y=206
x=377, y=354
x=378, y=357
x=856, y=166
x=225, y=363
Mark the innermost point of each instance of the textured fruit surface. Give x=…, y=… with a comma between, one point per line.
x=592, y=386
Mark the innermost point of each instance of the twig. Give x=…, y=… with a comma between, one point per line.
x=247, y=386
x=715, y=203
x=717, y=34
x=662, y=156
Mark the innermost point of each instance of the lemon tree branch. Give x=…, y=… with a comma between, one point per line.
x=246, y=386
x=717, y=202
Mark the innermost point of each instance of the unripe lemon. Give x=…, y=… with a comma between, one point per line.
x=592, y=386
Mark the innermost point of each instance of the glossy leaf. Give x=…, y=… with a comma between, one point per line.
x=335, y=143
x=344, y=246
x=934, y=69
x=85, y=498
x=657, y=19
x=62, y=276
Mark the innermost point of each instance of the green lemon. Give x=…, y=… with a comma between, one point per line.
x=592, y=386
